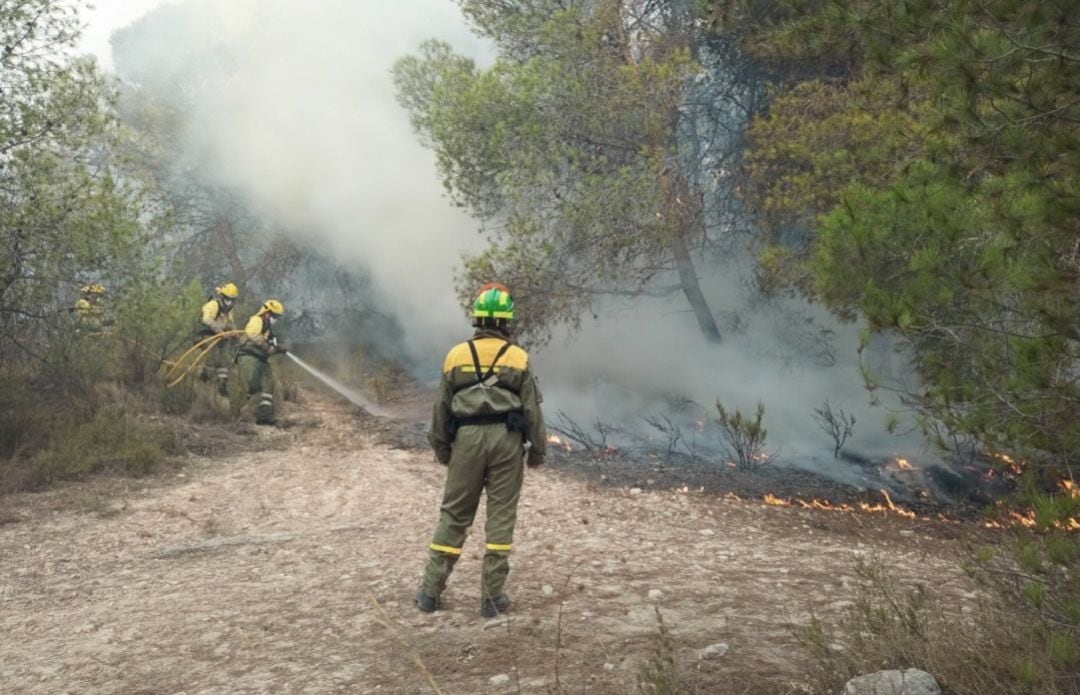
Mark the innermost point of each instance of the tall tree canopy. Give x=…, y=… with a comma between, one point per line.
x=567, y=149
x=65, y=217
x=920, y=166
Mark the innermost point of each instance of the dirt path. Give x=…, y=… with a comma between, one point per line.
x=292, y=570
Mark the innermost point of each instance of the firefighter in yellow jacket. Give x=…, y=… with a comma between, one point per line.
x=486, y=426
x=216, y=317
x=90, y=309
x=253, y=358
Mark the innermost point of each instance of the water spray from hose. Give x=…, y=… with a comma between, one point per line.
x=352, y=396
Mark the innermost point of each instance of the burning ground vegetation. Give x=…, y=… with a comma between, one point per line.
x=979, y=489
x=683, y=446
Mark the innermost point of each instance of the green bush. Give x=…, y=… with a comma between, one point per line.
x=25, y=421
x=112, y=440
x=1000, y=648
x=152, y=322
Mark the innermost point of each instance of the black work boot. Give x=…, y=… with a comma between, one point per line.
x=427, y=604
x=491, y=607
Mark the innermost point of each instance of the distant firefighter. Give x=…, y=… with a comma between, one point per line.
x=216, y=319
x=486, y=420
x=90, y=309
x=253, y=358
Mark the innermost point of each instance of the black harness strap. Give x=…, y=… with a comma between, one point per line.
x=480, y=376
x=492, y=419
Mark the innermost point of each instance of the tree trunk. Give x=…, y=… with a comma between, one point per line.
x=224, y=233
x=692, y=289
x=682, y=213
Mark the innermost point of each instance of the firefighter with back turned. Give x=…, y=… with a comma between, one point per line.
x=486, y=427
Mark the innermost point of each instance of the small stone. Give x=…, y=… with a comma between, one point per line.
x=706, y=532
x=714, y=651
x=609, y=667
x=501, y=679
x=635, y=491
x=547, y=590
x=655, y=594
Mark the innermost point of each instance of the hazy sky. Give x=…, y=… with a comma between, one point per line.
x=106, y=17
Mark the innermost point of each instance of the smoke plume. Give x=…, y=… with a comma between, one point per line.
x=298, y=110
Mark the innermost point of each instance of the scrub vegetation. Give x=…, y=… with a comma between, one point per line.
x=911, y=166
x=96, y=193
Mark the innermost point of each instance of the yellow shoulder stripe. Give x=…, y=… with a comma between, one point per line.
x=486, y=349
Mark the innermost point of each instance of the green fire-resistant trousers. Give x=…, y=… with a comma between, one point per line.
x=216, y=366
x=258, y=378
x=484, y=457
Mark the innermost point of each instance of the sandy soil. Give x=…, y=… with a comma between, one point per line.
x=291, y=569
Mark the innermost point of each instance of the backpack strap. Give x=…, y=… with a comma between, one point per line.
x=481, y=377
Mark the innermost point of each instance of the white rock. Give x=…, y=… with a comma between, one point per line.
x=714, y=651
x=909, y=682
x=706, y=532
x=547, y=590
x=635, y=491
x=500, y=679
x=655, y=594
x=609, y=667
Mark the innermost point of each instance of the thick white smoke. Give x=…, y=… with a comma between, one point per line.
x=307, y=124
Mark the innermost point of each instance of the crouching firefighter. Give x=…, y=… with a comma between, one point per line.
x=486, y=420
x=216, y=319
x=253, y=358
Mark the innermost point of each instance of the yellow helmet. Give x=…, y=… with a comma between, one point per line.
x=274, y=307
x=229, y=290
x=93, y=289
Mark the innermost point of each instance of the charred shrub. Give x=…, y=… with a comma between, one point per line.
x=835, y=423
x=744, y=438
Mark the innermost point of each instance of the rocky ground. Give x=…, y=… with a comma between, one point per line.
x=289, y=566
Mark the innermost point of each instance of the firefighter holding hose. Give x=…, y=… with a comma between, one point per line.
x=253, y=358
x=217, y=318
x=486, y=420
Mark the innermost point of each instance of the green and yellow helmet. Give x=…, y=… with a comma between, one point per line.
x=493, y=301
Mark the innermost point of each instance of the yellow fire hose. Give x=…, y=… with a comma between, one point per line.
x=210, y=344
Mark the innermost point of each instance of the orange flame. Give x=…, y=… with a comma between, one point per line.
x=1007, y=518
x=825, y=505
x=1012, y=465
x=775, y=501
x=903, y=464
x=559, y=442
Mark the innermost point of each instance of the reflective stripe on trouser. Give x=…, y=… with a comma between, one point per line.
x=483, y=457
x=258, y=379
x=264, y=412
